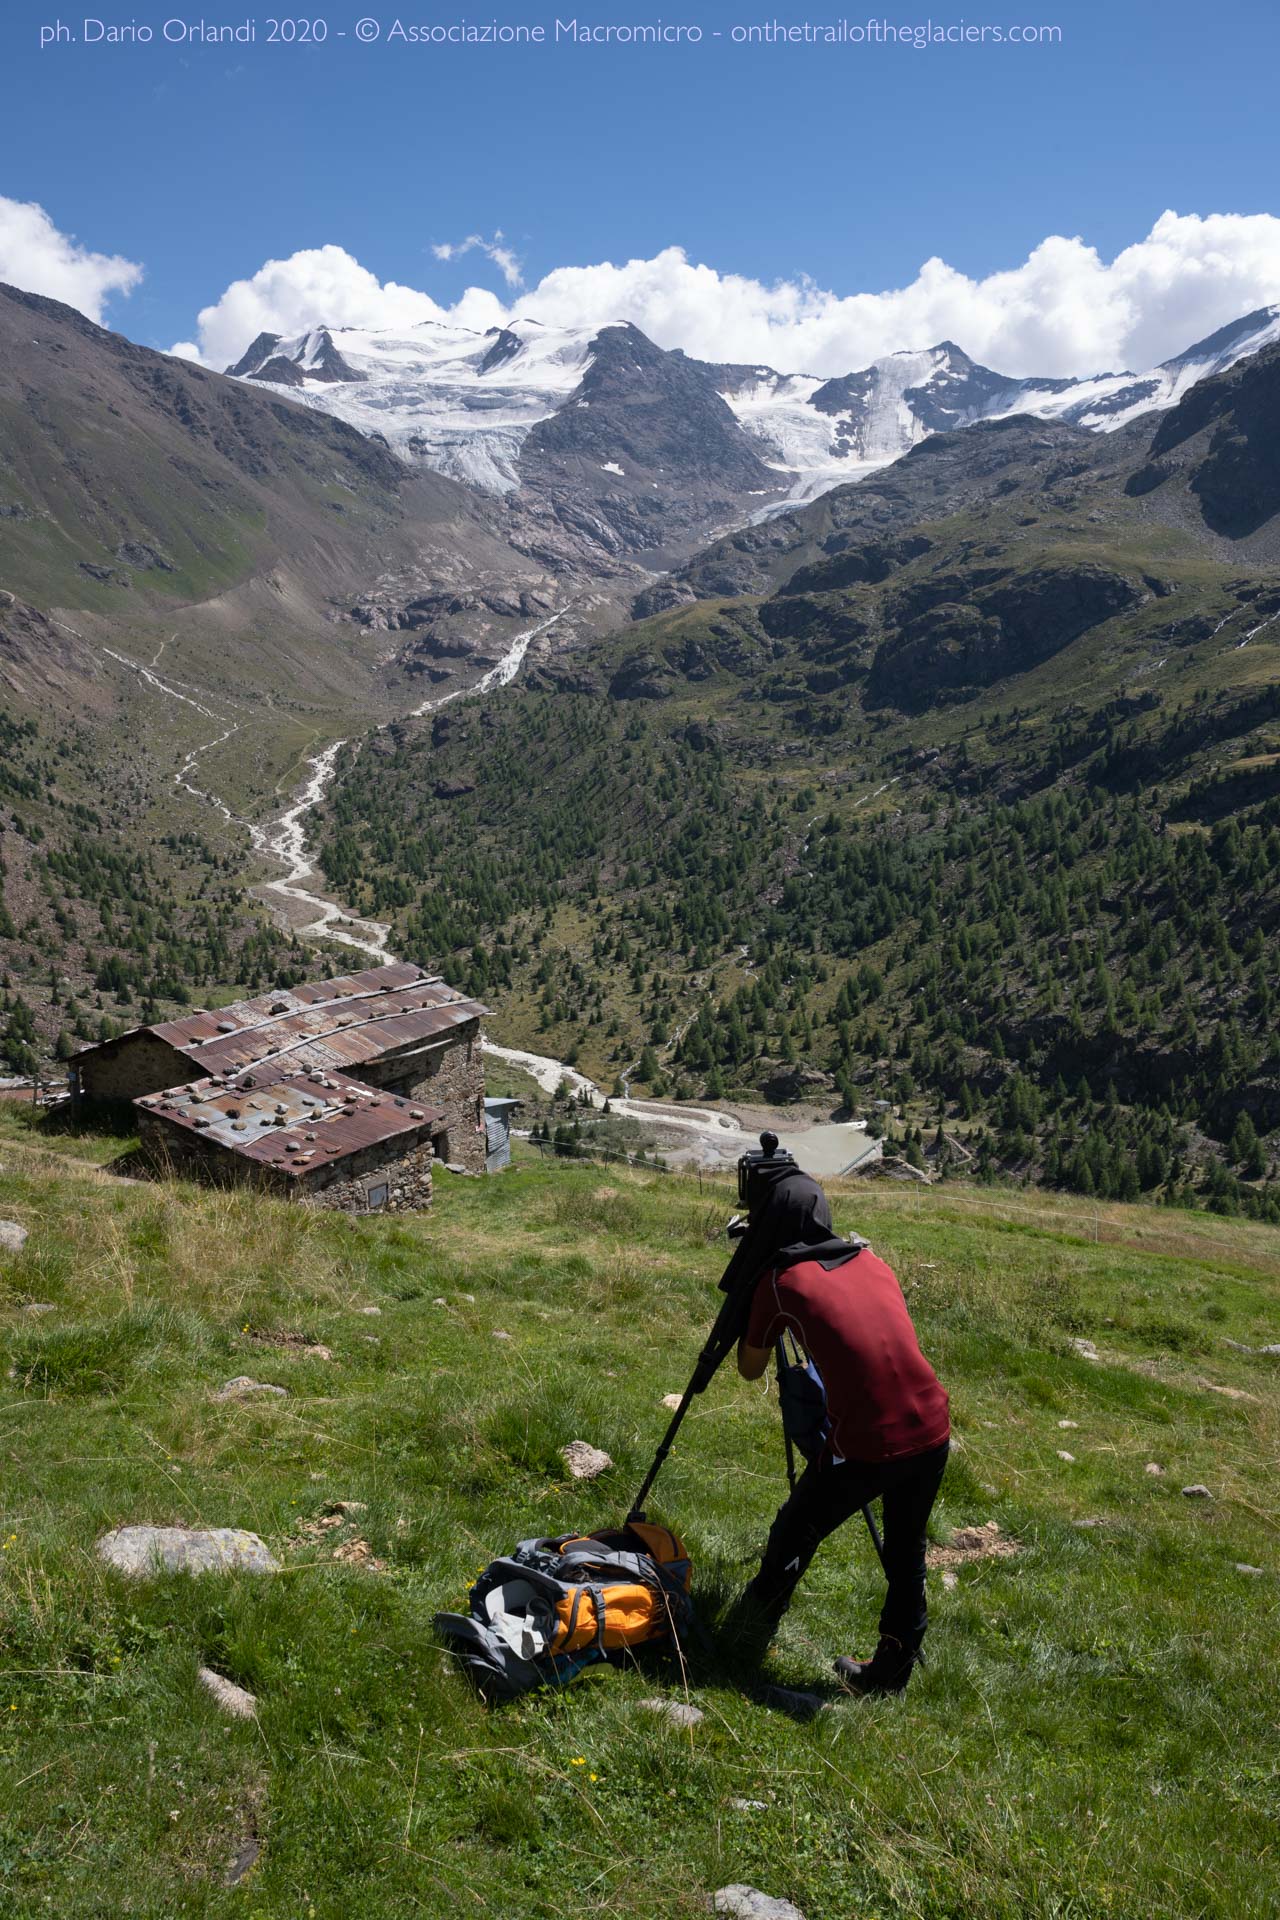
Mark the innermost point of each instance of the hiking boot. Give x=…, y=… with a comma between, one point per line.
x=887, y=1671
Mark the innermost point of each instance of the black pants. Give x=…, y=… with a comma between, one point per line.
x=824, y=1498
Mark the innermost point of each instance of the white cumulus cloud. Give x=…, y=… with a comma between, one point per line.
x=1063, y=310
x=322, y=286
x=496, y=250
x=37, y=257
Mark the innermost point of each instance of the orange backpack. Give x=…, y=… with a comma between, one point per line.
x=560, y=1604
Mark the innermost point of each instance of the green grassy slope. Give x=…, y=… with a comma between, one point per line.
x=1094, y=1734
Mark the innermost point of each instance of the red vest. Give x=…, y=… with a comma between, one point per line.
x=883, y=1398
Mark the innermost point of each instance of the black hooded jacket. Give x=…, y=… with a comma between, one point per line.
x=790, y=1221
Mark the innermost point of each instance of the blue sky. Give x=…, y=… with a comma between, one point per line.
x=847, y=166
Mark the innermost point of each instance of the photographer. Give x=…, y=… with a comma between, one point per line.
x=886, y=1432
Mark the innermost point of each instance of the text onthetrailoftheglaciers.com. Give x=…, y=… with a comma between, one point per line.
x=369, y=30
x=842, y=32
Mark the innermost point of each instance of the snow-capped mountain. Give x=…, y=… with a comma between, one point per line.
x=618, y=443
x=462, y=402
x=638, y=447
x=828, y=432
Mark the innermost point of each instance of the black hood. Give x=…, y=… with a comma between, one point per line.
x=790, y=1223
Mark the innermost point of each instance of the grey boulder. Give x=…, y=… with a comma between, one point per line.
x=237, y=1701
x=13, y=1238
x=748, y=1903
x=677, y=1712
x=142, y=1552
x=242, y=1385
x=584, y=1461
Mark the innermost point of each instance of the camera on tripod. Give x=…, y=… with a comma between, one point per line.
x=768, y=1154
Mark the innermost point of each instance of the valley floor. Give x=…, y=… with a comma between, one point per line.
x=1095, y=1731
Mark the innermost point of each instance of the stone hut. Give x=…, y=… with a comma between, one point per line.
x=320, y=1138
x=402, y=1031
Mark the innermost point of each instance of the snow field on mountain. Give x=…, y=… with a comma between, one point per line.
x=464, y=403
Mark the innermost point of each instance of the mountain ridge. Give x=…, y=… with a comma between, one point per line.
x=490, y=407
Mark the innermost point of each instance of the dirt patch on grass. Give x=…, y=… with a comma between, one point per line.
x=351, y=1549
x=966, y=1544
x=358, y=1553
x=300, y=1343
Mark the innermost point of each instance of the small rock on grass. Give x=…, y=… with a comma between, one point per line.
x=1085, y=1349
x=678, y=1712
x=584, y=1461
x=237, y=1701
x=671, y=1401
x=317, y=1353
x=1068, y=1457
x=13, y=1238
x=246, y=1856
x=1156, y=1471
x=143, y=1551
x=498, y=1334
x=40, y=1306
x=748, y=1903
x=1197, y=1492
x=1242, y=1566
x=749, y=1806
x=370, y=1309
x=242, y=1385
x=1069, y=1423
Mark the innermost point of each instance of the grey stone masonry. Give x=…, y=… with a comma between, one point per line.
x=449, y=1076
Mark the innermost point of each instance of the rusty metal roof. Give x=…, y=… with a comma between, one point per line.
x=328, y=1023
x=293, y=1123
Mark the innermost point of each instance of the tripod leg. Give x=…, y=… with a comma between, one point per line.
x=780, y=1361
x=874, y=1531
x=636, y=1510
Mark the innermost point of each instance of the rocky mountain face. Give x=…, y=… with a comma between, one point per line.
x=1218, y=455
x=983, y=556
x=646, y=452
x=601, y=446
x=986, y=462
x=140, y=492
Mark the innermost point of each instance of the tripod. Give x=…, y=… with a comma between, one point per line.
x=708, y=1363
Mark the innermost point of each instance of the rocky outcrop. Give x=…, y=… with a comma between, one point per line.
x=950, y=642
x=642, y=676
x=1222, y=444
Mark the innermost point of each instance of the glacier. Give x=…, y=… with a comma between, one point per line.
x=464, y=403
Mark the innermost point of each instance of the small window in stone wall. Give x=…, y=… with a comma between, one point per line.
x=376, y=1196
